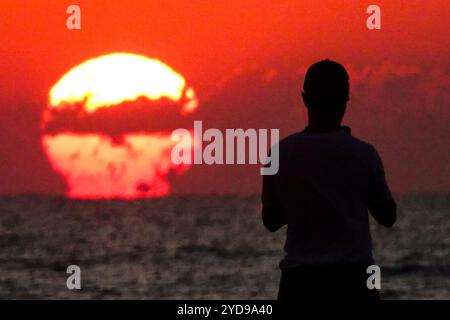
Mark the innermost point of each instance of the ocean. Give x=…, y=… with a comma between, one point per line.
x=194, y=247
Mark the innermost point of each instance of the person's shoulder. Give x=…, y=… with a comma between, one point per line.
x=359, y=142
x=363, y=147
x=290, y=140
x=292, y=137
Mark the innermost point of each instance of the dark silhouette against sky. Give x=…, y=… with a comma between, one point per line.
x=327, y=182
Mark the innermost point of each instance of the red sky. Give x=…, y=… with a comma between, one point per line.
x=246, y=61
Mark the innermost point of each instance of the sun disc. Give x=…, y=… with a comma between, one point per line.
x=98, y=163
x=114, y=78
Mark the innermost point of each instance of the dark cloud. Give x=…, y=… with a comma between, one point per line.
x=142, y=115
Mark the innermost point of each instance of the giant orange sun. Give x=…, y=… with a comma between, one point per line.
x=105, y=127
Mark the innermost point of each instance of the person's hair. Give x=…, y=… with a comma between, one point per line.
x=326, y=85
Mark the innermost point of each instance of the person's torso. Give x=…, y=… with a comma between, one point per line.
x=324, y=180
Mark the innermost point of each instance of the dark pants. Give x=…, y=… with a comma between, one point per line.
x=346, y=282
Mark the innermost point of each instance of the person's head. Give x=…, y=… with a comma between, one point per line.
x=326, y=92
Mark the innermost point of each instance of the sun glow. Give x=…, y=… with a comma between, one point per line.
x=101, y=163
x=96, y=167
x=119, y=77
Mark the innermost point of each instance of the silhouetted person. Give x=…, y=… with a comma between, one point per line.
x=327, y=182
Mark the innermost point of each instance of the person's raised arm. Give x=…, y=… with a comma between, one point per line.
x=381, y=203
